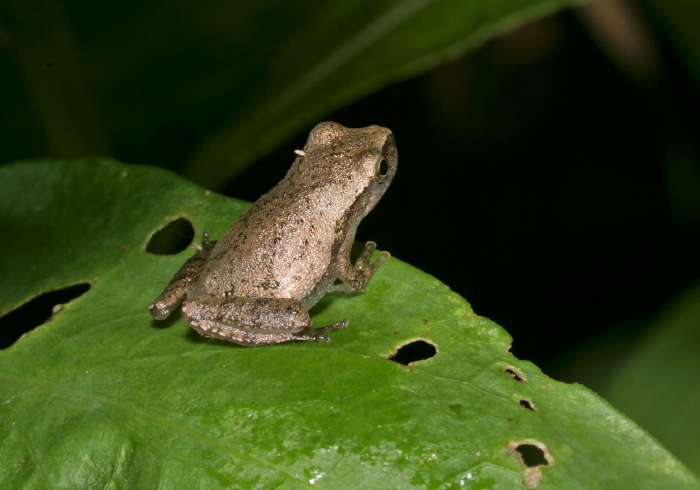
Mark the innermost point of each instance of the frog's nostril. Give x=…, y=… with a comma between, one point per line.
x=172, y=239
x=418, y=350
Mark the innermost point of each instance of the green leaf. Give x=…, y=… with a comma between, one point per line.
x=345, y=50
x=102, y=395
x=656, y=384
x=679, y=19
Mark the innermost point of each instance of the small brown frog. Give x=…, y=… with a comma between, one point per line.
x=256, y=284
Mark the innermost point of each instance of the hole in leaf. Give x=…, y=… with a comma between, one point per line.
x=418, y=350
x=531, y=453
x=527, y=404
x=172, y=239
x=30, y=315
x=534, y=456
x=515, y=374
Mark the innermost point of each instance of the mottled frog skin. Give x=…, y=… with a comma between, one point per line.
x=255, y=285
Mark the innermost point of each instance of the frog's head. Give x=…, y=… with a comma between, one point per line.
x=361, y=160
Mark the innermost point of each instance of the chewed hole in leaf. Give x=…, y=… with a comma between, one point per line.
x=527, y=404
x=36, y=312
x=515, y=374
x=418, y=350
x=534, y=456
x=531, y=453
x=172, y=239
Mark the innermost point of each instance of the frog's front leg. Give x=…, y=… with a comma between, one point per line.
x=254, y=321
x=175, y=292
x=355, y=277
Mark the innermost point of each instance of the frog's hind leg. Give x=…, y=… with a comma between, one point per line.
x=174, y=293
x=243, y=337
x=250, y=321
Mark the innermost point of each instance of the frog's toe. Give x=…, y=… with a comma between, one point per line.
x=383, y=257
x=159, y=312
x=335, y=326
x=315, y=334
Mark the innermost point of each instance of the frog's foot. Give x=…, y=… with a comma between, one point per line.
x=315, y=333
x=355, y=277
x=363, y=264
x=329, y=328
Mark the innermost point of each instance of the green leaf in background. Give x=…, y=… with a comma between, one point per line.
x=102, y=395
x=348, y=49
x=657, y=384
x=678, y=19
x=148, y=81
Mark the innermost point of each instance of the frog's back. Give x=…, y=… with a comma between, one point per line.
x=278, y=248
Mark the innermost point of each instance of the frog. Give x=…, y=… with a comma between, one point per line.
x=256, y=284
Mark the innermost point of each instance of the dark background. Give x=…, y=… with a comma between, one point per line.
x=533, y=180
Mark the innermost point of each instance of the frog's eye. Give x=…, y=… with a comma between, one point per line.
x=382, y=170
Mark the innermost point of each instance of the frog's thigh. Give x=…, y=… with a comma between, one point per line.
x=251, y=321
x=257, y=315
x=244, y=337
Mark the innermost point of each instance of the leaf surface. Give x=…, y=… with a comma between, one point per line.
x=103, y=395
x=656, y=384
